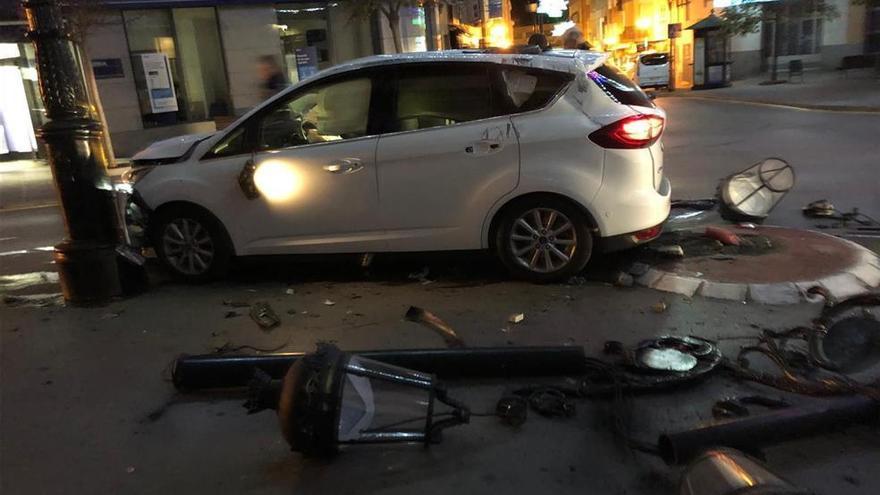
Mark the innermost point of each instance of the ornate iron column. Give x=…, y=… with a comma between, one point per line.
x=86, y=258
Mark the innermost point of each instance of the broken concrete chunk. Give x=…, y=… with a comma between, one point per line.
x=516, y=318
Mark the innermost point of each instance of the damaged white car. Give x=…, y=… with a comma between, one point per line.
x=543, y=158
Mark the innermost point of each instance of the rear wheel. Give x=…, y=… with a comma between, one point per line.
x=543, y=239
x=191, y=244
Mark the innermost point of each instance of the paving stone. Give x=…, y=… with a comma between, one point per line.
x=843, y=285
x=720, y=290
x=867, y=273
x=782, y=293
x=650, y=277
x=686, y=286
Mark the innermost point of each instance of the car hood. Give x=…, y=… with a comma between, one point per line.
x=169, y=149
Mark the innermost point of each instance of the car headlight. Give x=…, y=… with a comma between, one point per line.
x=134, y=174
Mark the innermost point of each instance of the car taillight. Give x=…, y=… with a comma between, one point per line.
x=638, y=131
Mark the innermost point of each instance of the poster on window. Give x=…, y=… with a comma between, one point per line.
x=306, y=62
x=160, y=86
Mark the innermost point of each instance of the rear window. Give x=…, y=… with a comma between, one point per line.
x=618, y=87
x=530, y=89
x=655, y=59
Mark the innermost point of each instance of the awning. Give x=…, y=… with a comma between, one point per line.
x=712, y=21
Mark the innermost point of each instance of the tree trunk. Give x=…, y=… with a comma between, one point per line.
x=774, y=58
x=393, y=17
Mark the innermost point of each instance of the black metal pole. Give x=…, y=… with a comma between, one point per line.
x=86, y=258
x=786, y=424
x=218, y=371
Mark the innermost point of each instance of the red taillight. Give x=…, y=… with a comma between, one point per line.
x=638, y=131
x=648, y=234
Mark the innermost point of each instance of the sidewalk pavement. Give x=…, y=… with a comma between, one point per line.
x=858, y=91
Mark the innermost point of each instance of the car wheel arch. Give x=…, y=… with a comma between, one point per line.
x=498, y=214
x=162, y=210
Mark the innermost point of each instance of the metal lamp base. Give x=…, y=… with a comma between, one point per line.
x=88, y=272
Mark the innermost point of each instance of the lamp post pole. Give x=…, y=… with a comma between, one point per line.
x=77, y=155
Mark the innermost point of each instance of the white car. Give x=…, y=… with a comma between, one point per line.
x=652, y=70
x=545, y=159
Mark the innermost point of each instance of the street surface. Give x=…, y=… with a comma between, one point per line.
x=87, y=406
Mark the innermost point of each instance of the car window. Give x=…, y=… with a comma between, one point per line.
x=441, y=94
x=328, y=112
x=530, y=89
x=232, y=144
x=655, y=59
x=618, y=87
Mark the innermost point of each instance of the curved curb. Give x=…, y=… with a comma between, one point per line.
x=791, y=106
x=862, y=276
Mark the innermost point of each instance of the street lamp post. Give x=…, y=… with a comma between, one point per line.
x=86, y=258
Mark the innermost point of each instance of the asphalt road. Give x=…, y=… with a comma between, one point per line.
x=834, y=155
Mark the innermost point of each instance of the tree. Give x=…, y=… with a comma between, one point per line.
x=748, y=15
x=390, y=9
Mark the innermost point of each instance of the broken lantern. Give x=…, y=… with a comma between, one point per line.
x=330, y=397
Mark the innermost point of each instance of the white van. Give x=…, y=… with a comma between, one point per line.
x=653, y=70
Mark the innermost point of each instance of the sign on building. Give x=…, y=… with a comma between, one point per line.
x=160, y=86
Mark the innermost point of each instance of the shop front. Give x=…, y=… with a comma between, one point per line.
x=21, y=109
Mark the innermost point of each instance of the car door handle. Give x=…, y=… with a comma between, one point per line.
x=347, y=166
x=483, y=147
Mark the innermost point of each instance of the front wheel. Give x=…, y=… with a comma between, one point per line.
x=544, y=240
x=191, y=244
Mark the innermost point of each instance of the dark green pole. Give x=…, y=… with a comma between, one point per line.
x=86, y=258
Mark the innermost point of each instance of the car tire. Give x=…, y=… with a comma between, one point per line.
x=191, y=243
x=543, y=239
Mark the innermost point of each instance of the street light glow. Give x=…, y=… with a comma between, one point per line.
x=277, y=180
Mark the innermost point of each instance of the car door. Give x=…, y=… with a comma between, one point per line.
x=310, y=185
x=446, y=155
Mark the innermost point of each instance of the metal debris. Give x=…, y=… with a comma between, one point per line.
x=432, y=321
x=737, y=407
x=516, y=318
x=263, y=314
x=819, y=209
x=512, y=410
x=421, y=276
x=236, y=304
x=328, y=302
x=659, y=307
x=673, y=250
x=723, y=236
x=622, y=279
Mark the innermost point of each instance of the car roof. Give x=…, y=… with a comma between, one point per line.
x=572, y=61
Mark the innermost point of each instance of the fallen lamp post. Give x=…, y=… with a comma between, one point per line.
x=729, y=472
x=230, y=371
x=754, y=432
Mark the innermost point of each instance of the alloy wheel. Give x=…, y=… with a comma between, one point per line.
x=543, y=240
x=188, y=246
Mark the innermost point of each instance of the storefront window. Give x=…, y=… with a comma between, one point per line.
x=21, y=107
x=305, y=41
x=178, y=65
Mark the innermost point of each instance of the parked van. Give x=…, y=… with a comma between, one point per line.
x=653, y=70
